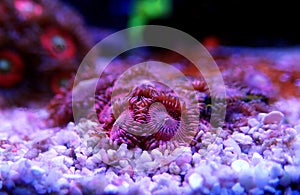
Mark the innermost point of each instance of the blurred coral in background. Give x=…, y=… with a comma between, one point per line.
x=41, y=45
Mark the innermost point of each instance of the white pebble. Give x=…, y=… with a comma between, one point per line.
x=225, y=173
x=14, y=175
x=96, y=158
x=145, y=157
x=32, y=153
x=214, y=149
x=123, y=163
x=293, y=172
x=184, y=158
x=4, y=170
x=163, y=169
x=274, y=117
x=174, y=169
x=86, y=171
x=67, y=137
x=72, y=176
x=112, y=154
x=37, y=171
x=89, y=163
x=81, y=158
x=60, y=149
x=261, y=176
x=261, y=116
x=52, y=178
x=256, y=158
x=256, y=191
x=111, y=189
x=101, y=170
x=137, y=153
x=276, y=170
x=245, y=129
x=68, y=161
x=257, y=136
x=242, y=138
x=70, y=126
x=166, y=179
x=237, y=189
x=297, y=127
x=218, y=141
x=156, y=154
x=246, y=178
x=225, y=191
x=62, y=183
x=216, y=189
x=253, y=130
x=210, y=179
x=290, y=131
x=230, y=143
x=41, y=136
x=252, y=122
x=51, y=153
x=57, y=161
x=185, y=168
x=122, y=150
x=195, y=181
x=4, y=135
x=269, y=189
x=285, y=180
x=274, y=182
x=239, y=165
x=196, y=158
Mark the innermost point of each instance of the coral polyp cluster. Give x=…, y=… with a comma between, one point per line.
x=142, y=112
x=40, y=40
x=153, y=117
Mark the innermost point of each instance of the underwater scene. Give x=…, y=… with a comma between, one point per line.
x=148, y=97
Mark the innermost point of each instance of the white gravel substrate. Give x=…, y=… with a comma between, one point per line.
x=261, y=158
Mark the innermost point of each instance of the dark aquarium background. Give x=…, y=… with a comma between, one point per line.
x=243, y=23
